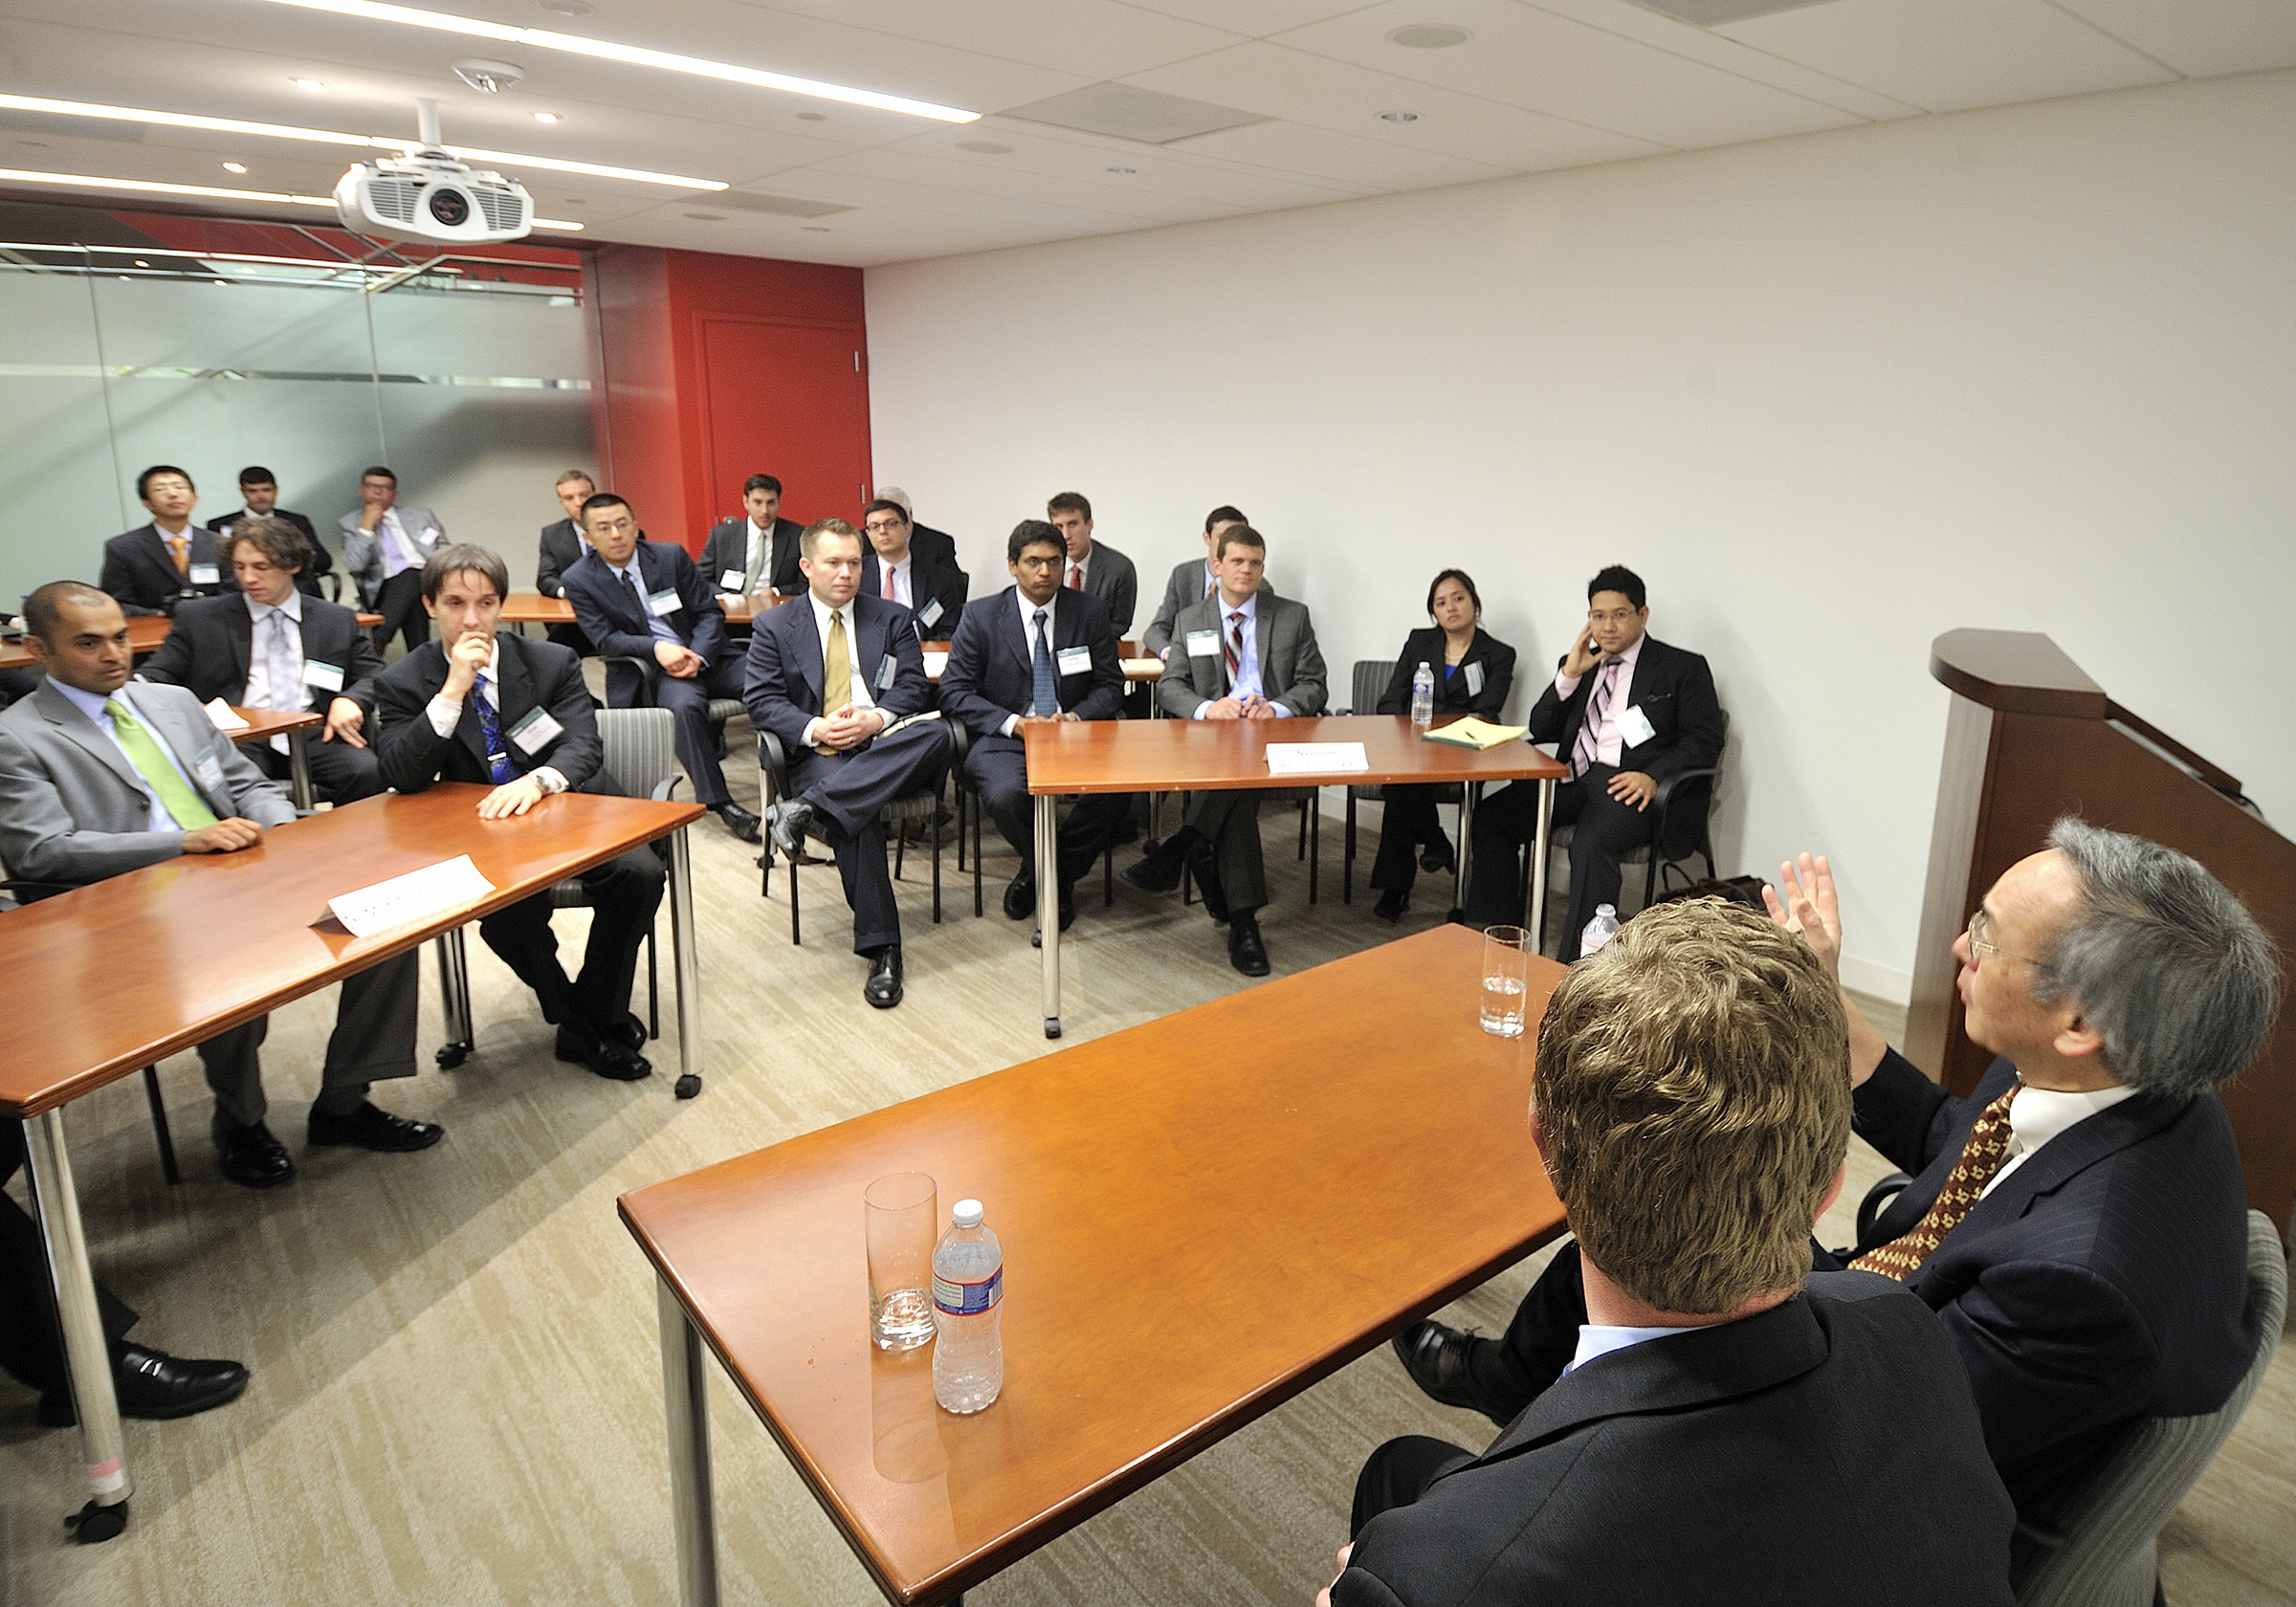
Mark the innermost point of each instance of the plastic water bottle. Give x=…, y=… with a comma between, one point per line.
x=1599, y=932
x=968, y=1292
x=1422, y=695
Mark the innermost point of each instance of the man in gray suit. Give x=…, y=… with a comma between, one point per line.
x=98, y=778
x=1095, y=566
x=1248, y=655
x=383, y=546
x=1191, y=581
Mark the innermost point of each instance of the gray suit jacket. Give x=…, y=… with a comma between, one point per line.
x=1291, y=664
x=363, y=549
x=1109, y=576
x=72, y=809
x=1185, y=586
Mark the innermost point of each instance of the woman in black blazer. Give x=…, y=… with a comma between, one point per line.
x=1473, y=674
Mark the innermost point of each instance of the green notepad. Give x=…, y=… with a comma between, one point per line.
x=1475, y=732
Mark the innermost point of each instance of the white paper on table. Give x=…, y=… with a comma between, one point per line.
x=222, y=718
x=415, y=896
x=935, y=664
x=1314, y=759
x=1142, y=666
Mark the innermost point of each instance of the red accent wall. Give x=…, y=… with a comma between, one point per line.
x=717, y=367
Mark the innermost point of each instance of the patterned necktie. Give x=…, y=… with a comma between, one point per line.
x=1045, y=697
x=836, y=677
x=1582, y=751
x=184, y=805
x=181, y=547
x=395, y=558
x=1981, y=1157
x=490, y=732
x=886, y=593
x=277, y=668
x=1233, y=646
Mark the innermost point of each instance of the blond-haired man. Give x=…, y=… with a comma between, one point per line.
x=1731, y=1427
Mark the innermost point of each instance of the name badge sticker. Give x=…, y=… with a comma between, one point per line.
x=1074, y=661
x=206, y=574
x=731, y=580
x=535, y=733
x=1474, y=679
x=888, y=668
x=932, y=612
x=1203, y=643
x=663, y=602
x=327, y=677
x=207, y=771
x=1636, y=728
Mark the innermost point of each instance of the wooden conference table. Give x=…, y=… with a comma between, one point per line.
x=532, y=608
x=144, y=634
x=1221, y=756
x=1201, y=1218
x=168, y=983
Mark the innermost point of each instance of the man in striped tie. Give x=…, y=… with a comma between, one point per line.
x=2078, y=1222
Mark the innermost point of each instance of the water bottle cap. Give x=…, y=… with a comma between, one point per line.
x=966, y=1213
x=1610, y=910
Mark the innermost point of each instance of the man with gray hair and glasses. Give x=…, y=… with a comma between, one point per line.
x=2078, y=1223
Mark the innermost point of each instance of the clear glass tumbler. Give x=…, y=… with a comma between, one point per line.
x=903, y=1217
x=1506, y=979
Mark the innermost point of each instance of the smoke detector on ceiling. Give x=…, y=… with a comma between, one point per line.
x=487, y=77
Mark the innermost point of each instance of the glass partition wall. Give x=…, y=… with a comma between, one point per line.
x=315, y=353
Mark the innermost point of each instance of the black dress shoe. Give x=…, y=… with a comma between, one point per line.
x=1205, y=866
x=372, y=1128
x=738, y=820
x=1391, y=907
x=1020, y=897
x=787, y=822
x=1436, y=1358
x=1159, y=871
x=583, y=1044
x=1244, y=950
x=883, y=989
x=630, y=1032
x=251, y=1158
x=154, y=1384
x=1438, y=855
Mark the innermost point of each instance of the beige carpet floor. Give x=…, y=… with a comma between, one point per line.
x=457, y=1391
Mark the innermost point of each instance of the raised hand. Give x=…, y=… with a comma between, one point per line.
x=1803, y=902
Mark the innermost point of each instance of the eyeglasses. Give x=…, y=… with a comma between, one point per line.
x=1617, y=616
x=1981, y=949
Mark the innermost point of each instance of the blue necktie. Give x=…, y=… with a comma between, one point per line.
x=1045, y=693
x=490, y=732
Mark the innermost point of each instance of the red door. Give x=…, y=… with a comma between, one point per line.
x=788, y=400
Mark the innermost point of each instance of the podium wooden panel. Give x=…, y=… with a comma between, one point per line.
x=2030, y=738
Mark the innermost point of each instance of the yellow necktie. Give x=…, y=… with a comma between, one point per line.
x=836, y=676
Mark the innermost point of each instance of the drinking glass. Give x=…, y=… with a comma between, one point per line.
x=1506, y=979
x=902, y=1215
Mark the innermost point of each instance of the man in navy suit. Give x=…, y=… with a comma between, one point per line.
x=149, y=568
x=2078, y=1223
x=828, y=675
x=895, y=572
x=642, y=600
x=1036, y=652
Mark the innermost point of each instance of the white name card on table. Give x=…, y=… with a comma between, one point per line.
x=224, y=717
x=1314, y=759
x=935, y=664
x=416, y=896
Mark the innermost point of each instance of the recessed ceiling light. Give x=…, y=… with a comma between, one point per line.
x=812, y=117
x=1398, y=116
x=545, y=117
x=312, y=84
x=141, y=263
x=543, y=38
x=1126, y=170
x=234, y=167
x=707, y=217
x=984, y=147
x=1431, y=36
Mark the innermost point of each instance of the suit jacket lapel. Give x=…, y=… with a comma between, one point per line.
x=240, y=627
x=65, y=716
x=1013, y=633
x=806, y=649
x=1263, y=631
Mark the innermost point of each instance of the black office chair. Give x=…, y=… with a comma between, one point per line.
x=720, y=713
x=1371, y=678
x=921, y=805
x=1685, y=806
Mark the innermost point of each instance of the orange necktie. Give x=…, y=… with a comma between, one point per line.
x=181, y=546
x=1981, y=1157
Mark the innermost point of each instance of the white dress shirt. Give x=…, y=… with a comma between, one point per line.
x=1609, y=743
x=758, y=576
x=857, y=694
x=1598, y=1339
x=446, y=713
x=630, y=575
x=1076, y=577
x=1247, y=681
x=1012, y=722
x=90, y=704
x=399, y=551
x=903, y=581
x=2037, y=1115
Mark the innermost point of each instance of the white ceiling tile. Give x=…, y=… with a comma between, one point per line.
x=1172, y=200
x=1258, y=18
x=1652, y=28
x=1346, y=159
x=1948, y=55
x=2200, y=38
x=1101, y=38
x=1178, y=171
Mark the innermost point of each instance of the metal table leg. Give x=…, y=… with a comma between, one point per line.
x=87, y=1358
x=685, y=1399
x=454, y=998
x=1048, y=894
x=298, y=771
x=1535, y=913
x=1463, y=863
x=686, y=955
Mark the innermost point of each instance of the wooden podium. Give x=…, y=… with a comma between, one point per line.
x=2030, y=738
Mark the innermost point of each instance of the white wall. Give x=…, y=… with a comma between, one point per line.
x=2028, y=369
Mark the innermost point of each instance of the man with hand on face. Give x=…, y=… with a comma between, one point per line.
x=150, y=569
x=99, y=777
x=1625, y=711
x=828, y=675
x=1095, y=566
x=755, y=555
x=259, y=490
x=1037, y=653
x=1730, y=1428
x=1250, y=655
x=490, y=705
x=562, y=548
x=272, y=647
x=383, y=547
x=1192, y=581
x=896, y=573
x=643, y=600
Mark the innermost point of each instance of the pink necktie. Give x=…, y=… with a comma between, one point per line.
x=887, y=594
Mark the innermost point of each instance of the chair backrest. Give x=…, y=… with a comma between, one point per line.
x=641, y=749
x=1371, y=678
x=2108, y=1557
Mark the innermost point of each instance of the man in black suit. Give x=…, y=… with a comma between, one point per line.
x=1625, y=711
x=1035, y=652
x=151, y=568
x=839, y=678
x=312, y=655
x=645, y=601
x=1093, y=566
x=2077, y=1223
x=757, y=553
x=1730, y=1428
x=895, y=572
x=934, y=546
x=562, y=547
x=259, y=490
x=485, y=705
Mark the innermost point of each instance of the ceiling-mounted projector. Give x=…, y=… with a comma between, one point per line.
x=429, y=196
